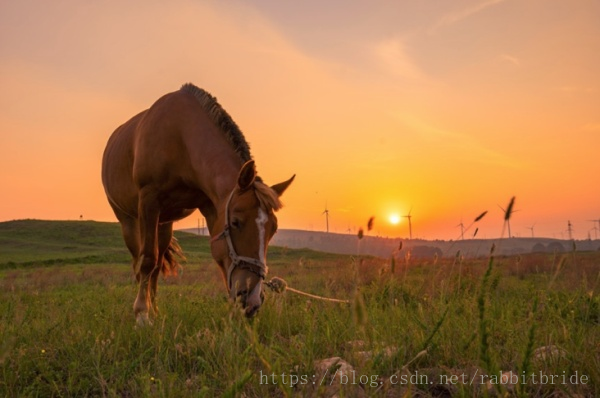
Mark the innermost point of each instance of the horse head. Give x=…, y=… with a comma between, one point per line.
x=249, y=223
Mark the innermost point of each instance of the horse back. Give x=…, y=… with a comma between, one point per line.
x=117, y=167
x=166, y=148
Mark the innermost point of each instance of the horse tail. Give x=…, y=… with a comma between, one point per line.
x=170, y=264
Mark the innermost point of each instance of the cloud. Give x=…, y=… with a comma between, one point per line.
x=463, y=145
x=575, y=89
x=452, y=18
x=510, y=59
x=393, y=56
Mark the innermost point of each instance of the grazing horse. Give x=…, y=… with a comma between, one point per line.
x=185, y=153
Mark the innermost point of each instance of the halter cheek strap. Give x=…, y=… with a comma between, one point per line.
x=251, y=264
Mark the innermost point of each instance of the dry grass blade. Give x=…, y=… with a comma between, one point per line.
x=479, y=217
x=370, y=223
x=404, y=368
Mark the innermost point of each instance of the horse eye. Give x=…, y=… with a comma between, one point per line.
x=236, y=224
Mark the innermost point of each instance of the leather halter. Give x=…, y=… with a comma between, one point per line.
x=253, y=265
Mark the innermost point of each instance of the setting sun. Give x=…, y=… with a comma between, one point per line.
x=394, y=219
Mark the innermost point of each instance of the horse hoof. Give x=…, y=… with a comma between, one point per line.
x=142, y=320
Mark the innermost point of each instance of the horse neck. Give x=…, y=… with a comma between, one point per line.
x=219, y=189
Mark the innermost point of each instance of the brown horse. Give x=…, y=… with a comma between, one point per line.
x=186, y=153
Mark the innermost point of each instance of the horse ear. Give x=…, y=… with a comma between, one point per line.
x=247, y=175
x=282, y=186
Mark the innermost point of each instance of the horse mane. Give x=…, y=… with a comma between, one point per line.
x=221, y=119
x=268, y=198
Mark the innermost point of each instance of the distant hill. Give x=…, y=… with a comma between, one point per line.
x=384, y=247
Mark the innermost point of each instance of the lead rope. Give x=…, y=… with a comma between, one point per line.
x=278, y=285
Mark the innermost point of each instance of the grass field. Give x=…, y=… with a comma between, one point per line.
x=450, y=327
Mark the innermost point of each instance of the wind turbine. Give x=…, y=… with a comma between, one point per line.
x=462, y=230
x=326, y=212
x=507, y=219
x=531, y=228
x=596, y=228
x=570, y=229
x=408, y=216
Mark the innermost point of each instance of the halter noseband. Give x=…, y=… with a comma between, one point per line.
x=251, y=264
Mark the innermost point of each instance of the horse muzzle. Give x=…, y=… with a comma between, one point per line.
x=250, y=301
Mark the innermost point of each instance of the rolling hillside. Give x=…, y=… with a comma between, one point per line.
x=39, y=242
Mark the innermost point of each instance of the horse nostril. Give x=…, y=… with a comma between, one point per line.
x=251, y=311
x=241, y=297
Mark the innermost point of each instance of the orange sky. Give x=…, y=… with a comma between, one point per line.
x=448, y=108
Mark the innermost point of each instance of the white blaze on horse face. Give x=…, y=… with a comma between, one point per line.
x=261, y=220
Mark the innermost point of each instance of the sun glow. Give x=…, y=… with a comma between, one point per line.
x=394, y=219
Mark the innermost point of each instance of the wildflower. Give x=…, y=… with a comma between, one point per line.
x=278, y=285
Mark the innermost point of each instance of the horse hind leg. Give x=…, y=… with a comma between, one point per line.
x=131, y=235
x=148, y=262
x=165, y=260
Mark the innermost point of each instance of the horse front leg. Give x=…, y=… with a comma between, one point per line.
x=165, y=234
x=152, y=291
x=148, y=261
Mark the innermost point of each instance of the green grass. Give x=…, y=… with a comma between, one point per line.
x=36, y=242
x=67, y=326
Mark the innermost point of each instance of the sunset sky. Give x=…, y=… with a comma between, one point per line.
x=448, y=108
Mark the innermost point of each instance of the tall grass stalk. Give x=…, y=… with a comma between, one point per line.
x=436, y=328
x=361, y=315
x=526, y=364
x=238, y=385
x=261, y=353
x=484, y=344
